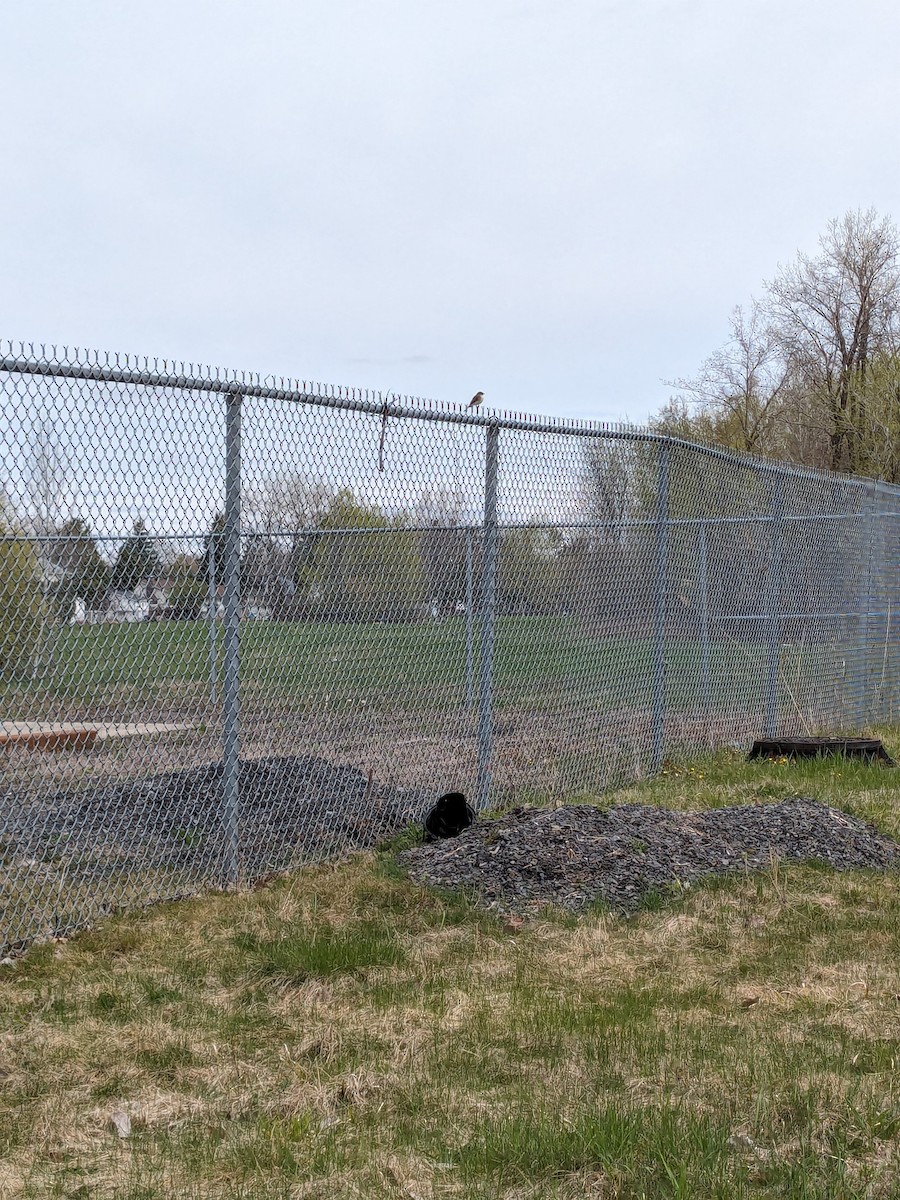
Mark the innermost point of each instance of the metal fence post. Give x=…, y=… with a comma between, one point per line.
x=212, y=556
x=470, y=624
x=231, y=537
x=776, y=566
x=864, y=600
x=488, y=605
x=889, y=537
x=703, y=566
x=886, y=590
x=661, y=587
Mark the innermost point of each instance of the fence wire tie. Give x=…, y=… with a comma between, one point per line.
x=384, y=417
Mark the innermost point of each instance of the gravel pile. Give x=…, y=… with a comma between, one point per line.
x=571, y=857
x=291, y=807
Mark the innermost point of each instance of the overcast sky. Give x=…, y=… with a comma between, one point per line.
x=557, y=202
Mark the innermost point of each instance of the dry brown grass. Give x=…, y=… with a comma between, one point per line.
x=739, y=1041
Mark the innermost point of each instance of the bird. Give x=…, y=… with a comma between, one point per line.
x=476, y=401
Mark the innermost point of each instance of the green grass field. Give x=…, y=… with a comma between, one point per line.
x=410, y=665
x=573, y=711
x=344, y=1033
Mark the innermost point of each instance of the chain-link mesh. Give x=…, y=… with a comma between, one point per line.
x=246, y=623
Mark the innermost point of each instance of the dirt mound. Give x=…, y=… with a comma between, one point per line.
x=291, y=808
x=574, y=856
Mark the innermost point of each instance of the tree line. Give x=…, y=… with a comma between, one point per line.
x=810, y=372
x=308, y=551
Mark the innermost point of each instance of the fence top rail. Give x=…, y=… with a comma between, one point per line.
x=131, y=370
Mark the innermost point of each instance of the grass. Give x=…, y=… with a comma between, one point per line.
x=343, y=1033
x=353, y=665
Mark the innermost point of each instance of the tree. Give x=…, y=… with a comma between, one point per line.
x=214, y=544
x=605, y=560
x=618, y=483
x=267, y=574
x=279, y=519
x=831, y=314
x=72, y=546
x=136, y=562
x=528, y=574
x=739, y=399
x=879, y=435
x=371, y=574
x=50, y=477
x=188, y=595
x=809, y=372
x=22, y=609
x=443, y=550
x=87, y=576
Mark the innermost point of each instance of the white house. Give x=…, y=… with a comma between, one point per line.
x=127, y=606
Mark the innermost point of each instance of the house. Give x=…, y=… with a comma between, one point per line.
x=127, y=606
x=147, y=602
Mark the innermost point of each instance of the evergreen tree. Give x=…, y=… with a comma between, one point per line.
x=137, y=561
x=214, y=544
x=87, y=575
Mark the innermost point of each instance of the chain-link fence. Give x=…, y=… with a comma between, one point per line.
x=247, y=623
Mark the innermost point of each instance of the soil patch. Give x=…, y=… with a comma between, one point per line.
x=291, y=808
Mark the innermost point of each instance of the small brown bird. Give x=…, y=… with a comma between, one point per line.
x=477, y=400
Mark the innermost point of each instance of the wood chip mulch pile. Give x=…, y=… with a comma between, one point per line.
x=575, y=856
